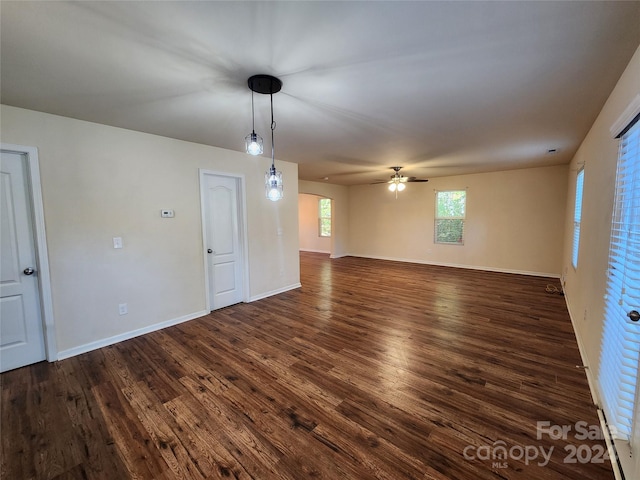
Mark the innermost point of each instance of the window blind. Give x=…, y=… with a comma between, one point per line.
x=577, y=218
x=621, y=337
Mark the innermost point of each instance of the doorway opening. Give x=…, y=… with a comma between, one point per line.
x=315, y=223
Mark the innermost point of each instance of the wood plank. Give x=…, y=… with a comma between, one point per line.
x=373, y=369
x=133, y=443
x=100, y=458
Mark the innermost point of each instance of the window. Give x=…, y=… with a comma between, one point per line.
x=324, y=217
x=577, y=217
x=620, y=346
x=450, y=213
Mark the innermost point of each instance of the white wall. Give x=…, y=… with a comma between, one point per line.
x=598, y=153
x=340, y=212
x=585, y=286
x=515, y=221
x=310, y=240
x=99, y=182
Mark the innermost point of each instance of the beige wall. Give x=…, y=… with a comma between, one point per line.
x=99, y=182
x=515, y=221
x=309, y=239
x=340, y=211
x=585, y=286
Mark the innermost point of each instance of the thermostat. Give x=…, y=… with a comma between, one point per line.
x=167, y=213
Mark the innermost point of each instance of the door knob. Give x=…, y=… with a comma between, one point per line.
x=634, y=315
x=28, y=271
x=209, y=250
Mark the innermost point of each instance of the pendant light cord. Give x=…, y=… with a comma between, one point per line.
x=253, y=115
x=273, y=127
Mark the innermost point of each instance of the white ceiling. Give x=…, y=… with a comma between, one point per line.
x=440, y=88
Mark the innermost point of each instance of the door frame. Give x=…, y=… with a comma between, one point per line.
x=40, y=243
x=242, y=230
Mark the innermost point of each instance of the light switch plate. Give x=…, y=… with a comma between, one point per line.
x=117, y=242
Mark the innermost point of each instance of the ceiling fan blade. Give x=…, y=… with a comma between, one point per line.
x=398, y=178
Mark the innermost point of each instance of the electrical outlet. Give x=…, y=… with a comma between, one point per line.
x=123, y=309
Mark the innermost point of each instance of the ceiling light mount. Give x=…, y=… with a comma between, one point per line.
x=265, y=84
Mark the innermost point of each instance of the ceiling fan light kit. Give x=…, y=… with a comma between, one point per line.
x=267, y=85
x=397, y=186
x=398, y=182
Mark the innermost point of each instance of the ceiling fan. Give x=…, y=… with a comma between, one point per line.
x=397, y=182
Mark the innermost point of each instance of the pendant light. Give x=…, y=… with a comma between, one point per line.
x=253, y=141
x=267, y=84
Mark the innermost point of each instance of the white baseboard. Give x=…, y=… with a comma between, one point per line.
x=322, y=251
x=105, y=342
x=275, y=292
x=583, y=354
x=456, y=265
x=610, y=442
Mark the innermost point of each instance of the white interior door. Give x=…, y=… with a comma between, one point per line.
x=223, y=241
x=21, y=329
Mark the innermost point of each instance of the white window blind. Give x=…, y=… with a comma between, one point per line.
x=577, y=217
x=621, y=337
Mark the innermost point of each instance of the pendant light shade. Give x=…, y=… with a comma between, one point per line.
x=253, y=143
x=266, y=84
x=273, y=184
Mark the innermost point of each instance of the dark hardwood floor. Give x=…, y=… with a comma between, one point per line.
x=372, y=369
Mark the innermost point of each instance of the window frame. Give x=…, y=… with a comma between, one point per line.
x=577, y=218
x=321, y=217
x=437, y=217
